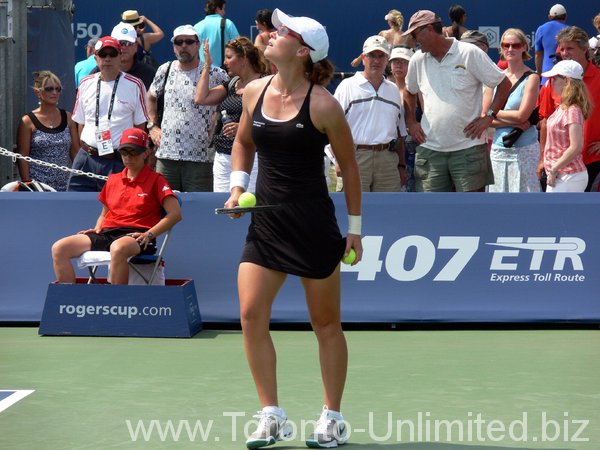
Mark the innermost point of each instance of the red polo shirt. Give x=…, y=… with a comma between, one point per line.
x=134, y=203
x=591, y=129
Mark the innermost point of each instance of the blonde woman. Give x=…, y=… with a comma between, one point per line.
x=564, y=142
x=393, y=34
x=47, y=133
x=515, y=149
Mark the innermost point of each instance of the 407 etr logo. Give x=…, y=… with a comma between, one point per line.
x=413, y=257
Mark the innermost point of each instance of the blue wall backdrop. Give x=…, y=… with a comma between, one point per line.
x=349, y=22
x=428, y=257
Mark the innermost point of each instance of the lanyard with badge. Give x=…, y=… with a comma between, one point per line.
x=103, y=138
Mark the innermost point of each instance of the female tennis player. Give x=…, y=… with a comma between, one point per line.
x=288, y=119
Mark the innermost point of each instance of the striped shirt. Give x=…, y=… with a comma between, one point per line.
x=557, y=140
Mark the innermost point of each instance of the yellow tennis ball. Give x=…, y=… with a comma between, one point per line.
x=246, y=200
x=350, y=257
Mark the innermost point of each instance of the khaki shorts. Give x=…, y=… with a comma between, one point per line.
x=464, y=170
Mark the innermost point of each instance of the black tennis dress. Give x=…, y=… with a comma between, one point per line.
x=302, y=238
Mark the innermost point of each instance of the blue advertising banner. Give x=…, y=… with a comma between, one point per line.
x=427, y=257
x=104, y=310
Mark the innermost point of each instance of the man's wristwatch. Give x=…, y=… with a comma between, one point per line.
x=150, y=125
x=491, y=113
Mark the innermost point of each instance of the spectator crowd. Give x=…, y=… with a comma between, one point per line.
x=428, y=110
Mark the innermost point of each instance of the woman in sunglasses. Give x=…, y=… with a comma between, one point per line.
x=244, y=64
x=48, y=134
x=515, y=149
x=287, y=119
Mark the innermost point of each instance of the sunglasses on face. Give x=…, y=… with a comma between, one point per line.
x=285, y=31
x=516, y=46
x=126, y=43
x=56, y=89
x=180, y=42
x=112, y=54
x=417, y=31
x=129, y=152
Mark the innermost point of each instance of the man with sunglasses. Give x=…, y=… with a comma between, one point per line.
x=181, y=138
x=107, y=103
x=452, y=153
x=372, y=107
x=126, y=35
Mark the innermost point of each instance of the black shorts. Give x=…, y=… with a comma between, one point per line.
x=102, y=241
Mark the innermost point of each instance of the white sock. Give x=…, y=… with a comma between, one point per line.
x=335, y=415
x=275, y=410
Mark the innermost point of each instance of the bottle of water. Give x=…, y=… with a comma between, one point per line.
x=225, y=118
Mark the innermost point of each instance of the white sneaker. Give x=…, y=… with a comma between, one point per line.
x=329, y=432
x=271, y=428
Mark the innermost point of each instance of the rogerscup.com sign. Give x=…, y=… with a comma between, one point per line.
x=127, y=311
x=512, y=259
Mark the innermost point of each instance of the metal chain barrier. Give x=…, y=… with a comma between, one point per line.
x=15, y=156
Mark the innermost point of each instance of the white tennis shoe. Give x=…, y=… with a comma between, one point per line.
x=271, y=428
x=329, y=432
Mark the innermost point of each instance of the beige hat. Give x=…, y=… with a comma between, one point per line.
x=131, y=17
x=376, y=43
x=402, y=53
x=421, y=18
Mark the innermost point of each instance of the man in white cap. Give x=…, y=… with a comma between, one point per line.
x=452, y=152
x=181, y=137
x=545, y=38
x=373, y=110
x=126, y=35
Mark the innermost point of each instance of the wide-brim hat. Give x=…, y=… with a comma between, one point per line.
x=311, y=31
x=131, y=17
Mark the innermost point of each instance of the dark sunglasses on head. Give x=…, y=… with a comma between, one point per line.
x=53, y=89
x=180, y=42
x=140, y=26
x=106, y=54
x=126, y=43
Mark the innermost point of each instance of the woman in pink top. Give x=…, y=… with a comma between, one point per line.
x=562, y=155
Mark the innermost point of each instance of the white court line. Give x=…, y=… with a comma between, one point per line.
x=19, y=394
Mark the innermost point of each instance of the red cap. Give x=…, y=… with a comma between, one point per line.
x=107, y=41
x=135, y=139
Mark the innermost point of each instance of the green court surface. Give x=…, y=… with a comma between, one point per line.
x=503, y=389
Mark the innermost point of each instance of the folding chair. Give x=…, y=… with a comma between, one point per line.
x=94, y=259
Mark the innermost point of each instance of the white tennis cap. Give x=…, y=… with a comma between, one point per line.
x=566, y=68
x=376, y=43
x=402, y=53
x=557, y=10
x=124, y=32
x=184, y=30
x=312, y=32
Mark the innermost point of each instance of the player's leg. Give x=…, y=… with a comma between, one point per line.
x=62, y=252
x=323, y=300
x=258, y=287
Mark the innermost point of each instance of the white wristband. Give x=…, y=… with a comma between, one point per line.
x=354, y=224
x=239, y=178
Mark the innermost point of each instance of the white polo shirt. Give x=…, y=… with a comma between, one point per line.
x=374, y=116
x=452, y=92
x=129, y=107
